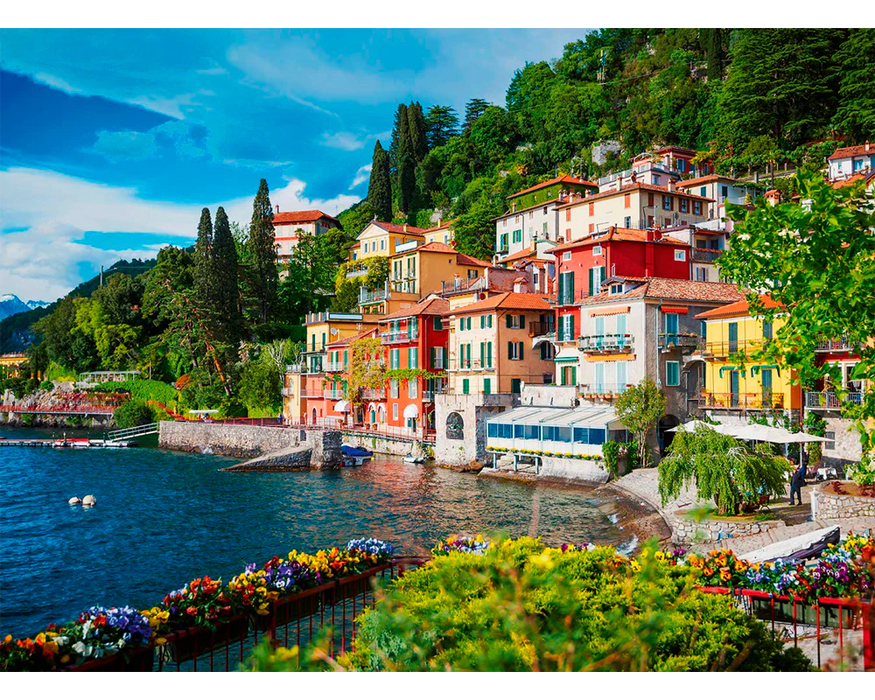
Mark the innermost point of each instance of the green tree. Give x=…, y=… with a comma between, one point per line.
x=367, y=369
x=856, y=64
x=380, y=186
x=227, y=292
x=722, y=468
x=260, y=386
x=263, y=276
x=638, y=408
x=133, y=413
x=418, y=131
x=474, y=109
x=474, y=230
x=816, y=258
x=442, y=123
x=204, y=272
x=403, y=159
x=310, y=275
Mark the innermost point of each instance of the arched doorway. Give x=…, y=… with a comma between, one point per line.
x=313, y=420
x=664, y=437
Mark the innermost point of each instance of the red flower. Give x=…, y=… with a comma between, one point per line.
x=191, y=611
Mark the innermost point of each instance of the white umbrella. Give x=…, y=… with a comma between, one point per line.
x=693, y=425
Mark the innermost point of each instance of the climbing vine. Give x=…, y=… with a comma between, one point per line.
x=367, y=369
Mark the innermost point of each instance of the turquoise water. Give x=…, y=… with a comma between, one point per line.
x=163, y=518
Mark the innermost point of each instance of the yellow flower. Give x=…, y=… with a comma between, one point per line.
x=65, y=659
x=660, y=555
x=51, y=647
x=40, y=638
x=636, y=566
x=161, y=641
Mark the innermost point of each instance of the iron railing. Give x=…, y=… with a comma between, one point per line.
x=750, y=400
x=705, y=255
x=399, y=336
x=606, y=343
x=830, y=400
x=679, y=340
x=332, y=394
x=538, y=328
x=833, y=345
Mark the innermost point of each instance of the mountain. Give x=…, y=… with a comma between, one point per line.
x=36, y=304
x=11, y=305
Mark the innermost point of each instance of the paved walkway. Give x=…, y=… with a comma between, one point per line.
x=643, y=483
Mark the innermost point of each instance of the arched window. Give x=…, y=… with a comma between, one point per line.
x=455, y=427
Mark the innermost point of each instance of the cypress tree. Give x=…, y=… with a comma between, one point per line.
x=380, y=187
x=225, y=267
x=203, y=272
x=404, y=159
x=263, y=275
x=416, y=126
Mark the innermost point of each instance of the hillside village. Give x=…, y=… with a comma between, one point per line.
x=593, y=287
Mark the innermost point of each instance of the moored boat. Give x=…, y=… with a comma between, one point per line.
x=359, y=455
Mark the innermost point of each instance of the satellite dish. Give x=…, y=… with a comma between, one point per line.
x=333, y=331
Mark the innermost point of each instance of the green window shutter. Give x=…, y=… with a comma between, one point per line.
x=489, y=321
x=522, y=321
x=465, y=386
x=487, y=386
x=591, y=280
x=522, y=345
x=509, y=350
x=482, y=354
x=507, y=320
x=570, y=285
x=571, y=327
x=431, y=356
x=573, y=376
x=489, y=353
x=561, y=287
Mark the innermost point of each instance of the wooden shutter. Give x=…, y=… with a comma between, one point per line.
x=522, y=344
x=507, y=319
x=591, y=280
x=509, y=350
x=522, y=321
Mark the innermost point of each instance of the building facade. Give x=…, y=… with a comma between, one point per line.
x=290, y=225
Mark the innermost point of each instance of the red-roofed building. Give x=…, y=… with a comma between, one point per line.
x=660, y=167
x=850, y=160
x=289, y=225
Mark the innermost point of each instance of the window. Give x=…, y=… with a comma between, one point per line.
x=413, y=358
x=682, y=166
x=383, y=244
x=566, y=255
x=413, y=388
x=546, y=351
x=591, y=228
x=767, y=330
x=724, y=191
x=831, y=437
x=650, y=199
x=531, y=214
x=438, y=324
x=703, y=191
x=487, y=385
x=672, y=373
x=666, y=202
x=656, y=180
x=516, y=386
x=701, y=274
x=627, y=222
x=684, y=205
x=697, y=208
x=514, y=350
x=345, y=359
x=394, y=358
x=393, y=388
x=466, y=386
x=366, y=247
x=566, y=328
x=616, y=289
x=592, y=208
x=627, y=201
x=518, y=236
x=502, y=242
x=437, y=358
x=596, y=277
x=568, y=214
x=544, y=226
x=680, y=255
x=596, y=250
x=394, y=411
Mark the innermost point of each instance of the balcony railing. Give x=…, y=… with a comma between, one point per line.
x=603, y=390
x=538, y=328
x=296, y=369
x=725, y=348
x=332, y=394
x=605, y=343
x=399, y=336
x=679, y=340
x=335, y=367
x=373, y=394
x=287, y=391
x=357, y=271
x=829, y=400
x=454, y=365
x=706, y=255
x=833, y=345
x=370, y=296
x=459, y=284
x=428, y=397
x=762, y=400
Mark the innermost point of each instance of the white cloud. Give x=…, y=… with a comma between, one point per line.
x=45, y=260
x=119, y=146
x=363, y=174
x=343, y=140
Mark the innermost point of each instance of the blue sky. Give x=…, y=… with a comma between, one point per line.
x=112, y=140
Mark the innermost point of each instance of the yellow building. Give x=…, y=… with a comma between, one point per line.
x=431, y=268
x=730, y=387
x=383, y=238
x=10, y=364
x=490, y=347
x=442, y=233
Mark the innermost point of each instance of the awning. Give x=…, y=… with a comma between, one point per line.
x=761, y=433
x=610, y=311
x=595, y=416
x=341, y=407
x=675, y=309
x=411, y=411
x=614, y=357
x=540, y=340
x=567, y=355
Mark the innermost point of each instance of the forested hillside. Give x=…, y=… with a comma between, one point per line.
x=749, y=98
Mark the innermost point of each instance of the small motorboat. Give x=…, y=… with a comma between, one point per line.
x=113, y=444
x=359, y=455
x=413, y=459
x=76, y=443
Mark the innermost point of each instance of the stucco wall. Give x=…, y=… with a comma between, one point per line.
x=474, y=410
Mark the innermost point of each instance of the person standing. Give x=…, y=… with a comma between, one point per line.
x=797, y=481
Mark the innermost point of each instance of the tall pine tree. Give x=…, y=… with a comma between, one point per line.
x=417, y=127
x=227, y=294
x=380, y=187
x=263, y=276
x=203, y=269
x=404, y=160
x=442, y=123
x=855, y=118
x=473, y=111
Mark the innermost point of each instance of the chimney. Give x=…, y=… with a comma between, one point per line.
x=277, y=208
x=440, y=222
x=670, y=185
x=405, y=228
x=513, y=207
x=866, y=146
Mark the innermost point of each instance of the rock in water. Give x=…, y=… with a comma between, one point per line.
x=75, y=501
x=89, y=500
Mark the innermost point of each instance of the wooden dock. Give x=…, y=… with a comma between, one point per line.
x=44, y=442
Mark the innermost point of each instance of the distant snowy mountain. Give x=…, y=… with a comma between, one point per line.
x=11, y=305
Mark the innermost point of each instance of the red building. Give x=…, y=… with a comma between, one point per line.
x=584, y=264
x=415, y=342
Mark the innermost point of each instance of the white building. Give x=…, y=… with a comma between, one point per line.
x=290, y=225
x=850, y=160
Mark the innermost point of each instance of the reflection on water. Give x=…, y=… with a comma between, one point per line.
x=163, y=518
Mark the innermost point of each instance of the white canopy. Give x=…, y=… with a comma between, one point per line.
x=411, y=411
x=761, y=433
x=342, y=407
x=595, y=416
x=693, y=425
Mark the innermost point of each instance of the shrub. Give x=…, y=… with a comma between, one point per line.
x=133, y=413
x=611, y=452
x=521, y=607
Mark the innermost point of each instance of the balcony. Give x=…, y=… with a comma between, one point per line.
x=829, y=400
x=687, y=341
x=296, y=369
x=357, y=271
x=605, y=391
x=404, y=336
x=428, y=397
x=538, y=328
x=835, y=345
x=371, y=394
x=336, y=394
x=725, y=348
x=474, y=365
x=605, y=343
x=739, y=401
x=323, y=316
x=460, y=284
x=287, y=391
x=371, y=296
x=335, y=367
x=705, y=255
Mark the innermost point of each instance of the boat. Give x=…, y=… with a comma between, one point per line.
x=413, y=459
x=115, y=444
x=359, y=455
x=76, y=443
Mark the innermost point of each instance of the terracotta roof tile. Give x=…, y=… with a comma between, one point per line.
x=565, y=179
x=629, y=188
x=430, y=306
x=471, y=261
x=704, y=179
x=351, y=339
x=398, y=228
x=614, y=233
x=851, y=151
x=739, y=308
x=301, y=217
x=506, y=300
x=520, y=255
x=674, y=290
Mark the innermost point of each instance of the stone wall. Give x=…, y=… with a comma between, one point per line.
x=475, y=410
x=576, y=469
x=685, y=531
x=832, y=506
x=382, y=445
x=249, y=441
x=847, y=442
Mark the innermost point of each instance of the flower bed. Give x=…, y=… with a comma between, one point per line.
x=204, y=614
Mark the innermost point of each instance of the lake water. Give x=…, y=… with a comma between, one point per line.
x=164, y=517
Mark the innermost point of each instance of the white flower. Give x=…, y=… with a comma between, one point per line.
x=82, y=649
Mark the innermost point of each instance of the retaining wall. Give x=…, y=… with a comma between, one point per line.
x=830, y=506
x=686, y=531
